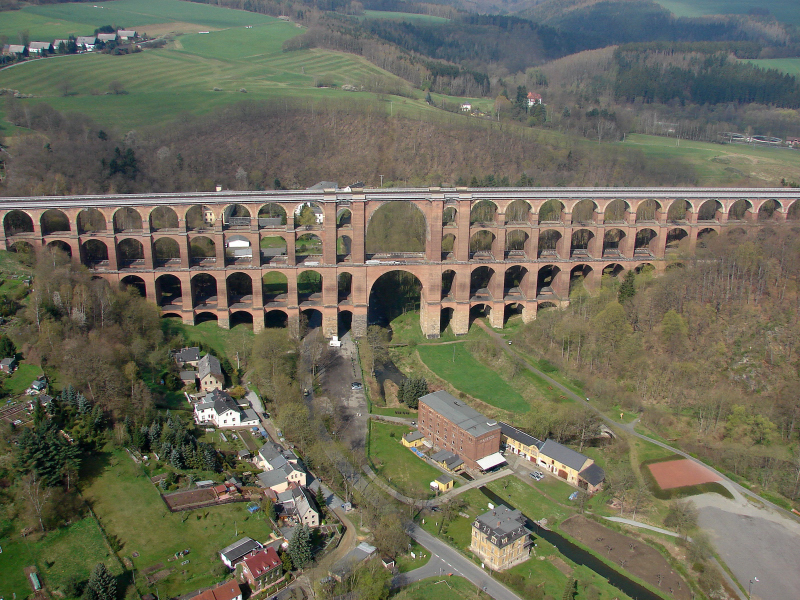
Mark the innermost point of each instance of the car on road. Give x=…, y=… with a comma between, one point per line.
x=537, y=475
x=413, y=423
x=356, y=385
x=305, y=391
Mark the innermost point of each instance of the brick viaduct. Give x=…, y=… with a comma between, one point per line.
x=218, y=255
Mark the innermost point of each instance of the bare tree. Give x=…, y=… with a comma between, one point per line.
x=37, y=495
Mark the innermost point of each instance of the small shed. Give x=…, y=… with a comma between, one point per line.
x=413, y=439
x=442, y=483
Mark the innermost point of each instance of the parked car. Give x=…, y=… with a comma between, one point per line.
x=537, y=475
x=413, y=423
x=356, y=385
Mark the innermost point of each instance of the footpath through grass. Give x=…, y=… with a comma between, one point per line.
x=455, y=363
x=129, y=506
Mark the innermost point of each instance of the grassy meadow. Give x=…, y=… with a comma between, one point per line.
x=401, y=16
x=784, y=10
x=785, y=65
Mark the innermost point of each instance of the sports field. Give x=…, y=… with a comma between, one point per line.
x=681, y=473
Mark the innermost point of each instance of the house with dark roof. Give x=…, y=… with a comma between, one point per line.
x=448, y=460
x=220, y=409
x=413, y=439
x=8, y=365
x=209, y=372
x=519, y=443
x=262, y=569
x=451, y=424
x=500, y=538
x=347, y=564
x=299, y=505
x=236, y=552
x=187, y=356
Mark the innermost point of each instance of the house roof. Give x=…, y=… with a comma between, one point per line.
x=86, y=40
x=249, y=415
x=106, y=37
x=444, y=479
x=126, y=33
x=520, y=436
x=227, y=591
x=502, y=525
x=413, y=436
x=209, y=365
x=243, y=453
x=442, y=455
x=566, y=456
x=188, y=354
x=490, y=461
x=16, y=49
x=8, y=361
x=270, y=479
x=459, y=413
x=38, y=45
x=239, y=549
x=262, y=562
x=188, y=375
x=350, y=560
x=593, y=474
x=325, y=185
x=534, y=96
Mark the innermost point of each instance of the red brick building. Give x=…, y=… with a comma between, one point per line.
x=454, y=426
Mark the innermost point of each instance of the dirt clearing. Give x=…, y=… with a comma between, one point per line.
x=681, y=473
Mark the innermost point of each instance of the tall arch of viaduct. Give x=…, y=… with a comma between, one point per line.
x=241, y=255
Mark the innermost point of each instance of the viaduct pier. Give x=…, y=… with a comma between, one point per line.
x=269, y=257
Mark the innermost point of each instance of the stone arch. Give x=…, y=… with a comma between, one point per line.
x=583, y=212
x=241, y=317
x=644, y=268
x=512, y=309
x=768, y=209
x=163, y=217
x=344, y=247
x=273, y=247
x=393, y=293
x=612, y=242
x=309, y=286
x=515, y=281
x=579, y=278
x=516, y=242
x=616, y=211
x=679, y=210
x=135, y=282
x=129, y=250
x=202, y=247
x=308, y=214
x=710, y=210
x=648, y=210
x=171, y=315
x=165, y=250
x=674, y=238
x=344, y=322
x=54, y=221
x=204, y=290
x=547, y=280
x=480, y=311
x=240, y=289
x=25, y=249
x=236, y=215
x=705, y=235
x=127, y=219
x=481, y=242
x=206, y=317
x=613, y=270
x=271, y=216
x=740, y=210
x=307, y=244
x=445, y=318
x=200, y=217
x=344, y=217
x=483, y=212
x=274, y=287
x=545, y=306
x=61, y=246
x=344, y=286
x=449, y=277
x=518, y=211
x=312, y=318
x=169, y=291
x=551, y=211
x=448, y=246
x=645, y=241
x=94, y=251
x=793, y=214
x=480, y=282
x=276, y=318
x=449, y=216
x=16, y=222
x=548, y=243
x=91, y=220
x=579, y=245
x=384, y=235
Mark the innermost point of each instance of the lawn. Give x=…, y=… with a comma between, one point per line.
x=440, y=588
x=129, y=506
x=72, y=550
x=723, y=164
x=401, y=16
x=214, y=337
x=405, y=472
x=22, y=378
x=785, y=65
x=784, y=10
x=455, y=364
x=531, y=502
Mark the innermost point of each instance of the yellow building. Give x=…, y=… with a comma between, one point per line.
x=442, y=484
x=413, y=439
x=500, y=538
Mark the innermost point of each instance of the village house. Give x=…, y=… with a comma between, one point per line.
x=347, y=564
x=188, y=377
x=500, y=538
x=106, y=37
x=8, y=365
x=126, y=34
x=219, y=409
x=39, y=48
x=187, y=356
x=229, y=590
x=298, y=504
x=272, y=456
x=413, y=439
x=87, y=42
x=235, y=553
x=12, y=49
x=534, y=98
x=450, y=424
x=448, y=460
x=565, y=463
x=209, y=372
x=282, y=478
x=262, y=569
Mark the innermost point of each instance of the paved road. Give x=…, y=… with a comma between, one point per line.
x=458, y=565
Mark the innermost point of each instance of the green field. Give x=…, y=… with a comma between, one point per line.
x=129, y=506
x=784, y=10
x=401, y=16
x=723, y=164
x=72, y=550
x=785, y=65
x=455, y=363
x=440, y=588
x=404, y=470
x=22, y=378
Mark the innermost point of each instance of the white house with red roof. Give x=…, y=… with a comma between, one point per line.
x=534, y=98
